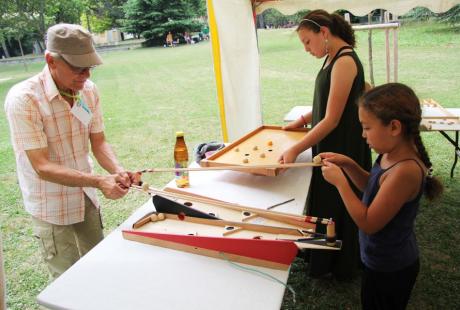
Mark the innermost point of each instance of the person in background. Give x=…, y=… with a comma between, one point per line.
x=335, y=128
x=390, y=116
x=55, y=118
x=169, y=39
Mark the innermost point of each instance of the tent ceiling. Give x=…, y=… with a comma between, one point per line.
x=356, y=7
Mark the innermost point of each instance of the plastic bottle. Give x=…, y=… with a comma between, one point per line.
x=181, y=160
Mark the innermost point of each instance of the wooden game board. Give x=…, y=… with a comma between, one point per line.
x=436, y=117
x=271, y=141
x=260, y=245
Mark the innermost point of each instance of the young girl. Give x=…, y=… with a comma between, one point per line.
x=390, y=116
x=335, y=128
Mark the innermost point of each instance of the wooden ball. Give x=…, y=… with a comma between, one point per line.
x=237, y=150
x=161, y=216
x=154, y=217
x=145, y=187
x=245, y=160
x=317, y=159
x=255, y=148
x=262, y=155
x=269, y=143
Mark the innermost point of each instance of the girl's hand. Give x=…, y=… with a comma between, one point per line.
x=289, y=156
x=291, y=125
x=336, y=158
x=332, y=173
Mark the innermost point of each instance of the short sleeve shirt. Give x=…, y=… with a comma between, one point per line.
x=39, y=117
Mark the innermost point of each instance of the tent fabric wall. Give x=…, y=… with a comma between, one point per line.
x=238, y=66
x=356, y=7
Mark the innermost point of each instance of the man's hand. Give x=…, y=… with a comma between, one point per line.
x=114, y=186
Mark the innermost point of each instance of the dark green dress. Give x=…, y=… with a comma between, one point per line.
x=323, y=198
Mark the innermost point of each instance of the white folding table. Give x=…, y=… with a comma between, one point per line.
x=122, y=274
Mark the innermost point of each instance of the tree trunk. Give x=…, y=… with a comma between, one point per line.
x=41, y=26
x=22, y=53
x=5, y=48
x=261, y=21
x=87, y=21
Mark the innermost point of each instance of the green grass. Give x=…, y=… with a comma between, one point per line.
x=148, y=94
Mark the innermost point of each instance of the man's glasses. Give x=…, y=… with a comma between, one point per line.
x=77, y=70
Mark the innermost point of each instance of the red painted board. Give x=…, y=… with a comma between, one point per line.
x=278, y=251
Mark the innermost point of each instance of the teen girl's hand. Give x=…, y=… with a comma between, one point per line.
x=333, y=174
x=289, y=156
x=292, y=125
x=299, y=123
x=336, y=158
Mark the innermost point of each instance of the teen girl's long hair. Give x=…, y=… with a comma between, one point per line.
x=337, y=25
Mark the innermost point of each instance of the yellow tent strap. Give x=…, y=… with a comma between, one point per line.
x=217, y=68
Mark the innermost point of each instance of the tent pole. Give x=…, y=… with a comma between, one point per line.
x=387, y=46
x=395, y=54
x=369, y=39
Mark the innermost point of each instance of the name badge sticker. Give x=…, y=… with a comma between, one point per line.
x=82, y=112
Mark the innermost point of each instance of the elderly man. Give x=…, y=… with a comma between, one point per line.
x=54, y=118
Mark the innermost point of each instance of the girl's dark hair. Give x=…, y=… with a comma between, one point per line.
x=396, y=101
x=337, y=25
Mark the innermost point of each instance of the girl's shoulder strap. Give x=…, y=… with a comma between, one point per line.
x=407, y=159
x=343, y=48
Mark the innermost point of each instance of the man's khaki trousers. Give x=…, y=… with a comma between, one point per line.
x=63, y=245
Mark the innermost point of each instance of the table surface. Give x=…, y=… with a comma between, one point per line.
x=122, y=274
x=296, y=111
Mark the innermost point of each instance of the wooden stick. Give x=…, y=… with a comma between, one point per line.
x=280, y=204
x=304, y=221
x=233, y=167
x=441, y=117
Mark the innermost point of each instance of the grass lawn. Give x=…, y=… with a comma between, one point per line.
x=148, y=94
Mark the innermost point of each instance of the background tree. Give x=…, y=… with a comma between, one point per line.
x=99, y=16
x=153, y=19
x=273, y=18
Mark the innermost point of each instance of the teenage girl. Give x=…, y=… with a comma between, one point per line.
x=335, y=128
x=390, y=116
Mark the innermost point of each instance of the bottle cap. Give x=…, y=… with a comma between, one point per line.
x=179, y=134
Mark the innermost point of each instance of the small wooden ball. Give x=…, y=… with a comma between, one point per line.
x=255, y=148
x=161, y=216
x=237, y=150
x=145, y=187
x=154, y=217
x=262, y=155
x=245, y=160
x=317, y=159
x=269, y=143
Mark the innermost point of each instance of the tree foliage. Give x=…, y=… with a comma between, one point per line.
x=153, y=19
x=452, y=16
x=273, y=18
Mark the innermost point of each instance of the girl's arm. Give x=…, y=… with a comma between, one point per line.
x=400, y=185
x=358, y=175
x=342, y=77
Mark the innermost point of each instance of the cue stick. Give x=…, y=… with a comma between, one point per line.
x=273, y=215
x=233, y=167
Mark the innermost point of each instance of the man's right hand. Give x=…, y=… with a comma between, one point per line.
x=114, y=186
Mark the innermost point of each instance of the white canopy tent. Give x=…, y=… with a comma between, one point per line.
x=236, y=55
